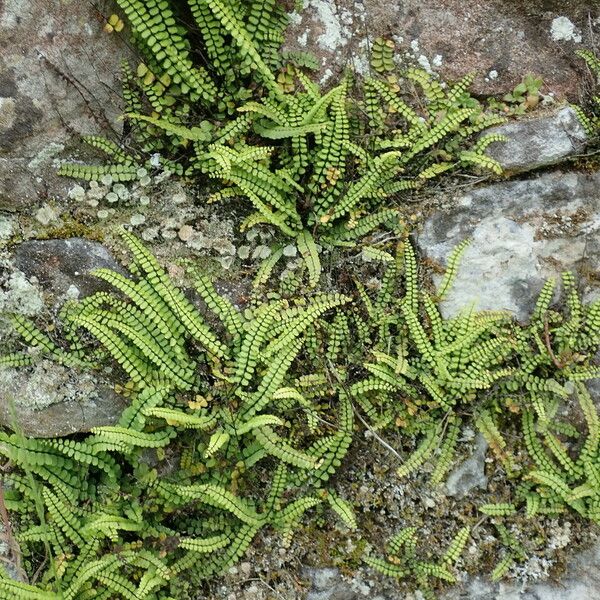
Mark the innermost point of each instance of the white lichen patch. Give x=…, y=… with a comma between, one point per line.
x=76, y=193
x=290, y=250
x=560, y=536
x=337, y=28
x=303, y=39
x=563, y=29
x=6, y=227
x=261, y=252
x=533, y=569
x=149, y=234
x=360, y=59
x=213, y=234
x=244, y=252
x=226, y=262
x=47, y=214
x=327, y=75
x=336, y=33
x=19, y=295
x=423, y=61
x=137, y=219
x=45, y=155
x=45, y=384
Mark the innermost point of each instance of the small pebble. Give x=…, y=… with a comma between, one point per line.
x=185, y=233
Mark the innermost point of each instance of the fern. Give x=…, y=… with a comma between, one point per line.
x=332, y=187
x=343, y=509
x=402, y=563
x=590, y=122
x=218, y=391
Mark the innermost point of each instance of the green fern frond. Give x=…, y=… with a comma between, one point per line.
x=278, y=447
x=423, y=451
x=386, y=568
x=154, y=25
x=343, y=509
x=309, y=252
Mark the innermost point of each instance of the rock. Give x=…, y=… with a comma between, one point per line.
x=470, y=474
x=328, y=584
x=47, y=400
x=62, y=267
x=59, y=75
x=581, y=582
x=539, y=141
x=522, y=232
x=502, y=41
x=323, y=579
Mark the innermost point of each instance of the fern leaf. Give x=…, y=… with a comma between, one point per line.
x=452, y=266
x=279, y=448
x=421, y=454
x=309, y=252
x=205, y=545
x=386, y=568
x=343, y=509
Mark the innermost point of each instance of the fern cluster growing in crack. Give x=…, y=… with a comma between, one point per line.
x=304, y=159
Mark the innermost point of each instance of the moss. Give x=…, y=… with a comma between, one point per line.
x=73, y=228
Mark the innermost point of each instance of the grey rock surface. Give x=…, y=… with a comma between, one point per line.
x=539, y=141
x=63, y=267
x=47, y=399
x=58, y=79
x=581, y=582
x=328, y=584
x=522, y=232
x=469, y=474
x=500, y=40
